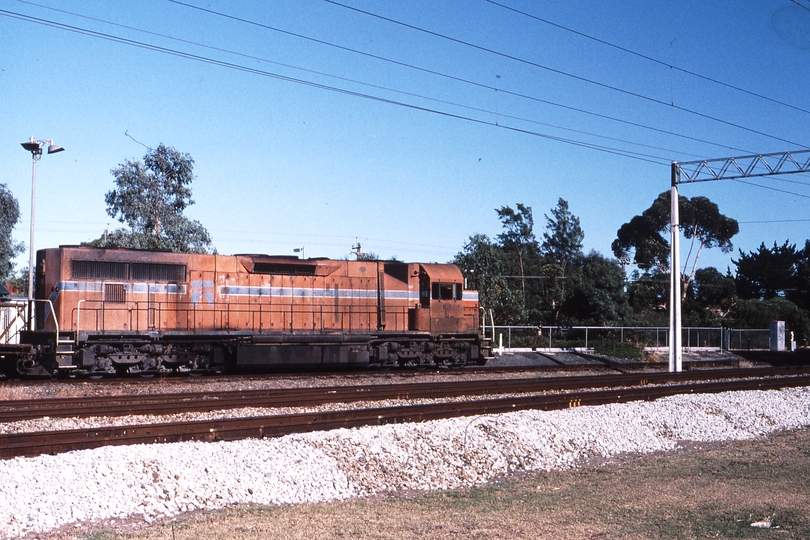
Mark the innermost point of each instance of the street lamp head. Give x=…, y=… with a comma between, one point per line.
x=52, y=148
x=35, y=147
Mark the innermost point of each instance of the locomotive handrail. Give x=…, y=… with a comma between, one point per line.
x=53, y=312
x=138, y=311
x=79, y=318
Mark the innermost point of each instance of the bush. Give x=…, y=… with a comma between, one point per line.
x=619, y=349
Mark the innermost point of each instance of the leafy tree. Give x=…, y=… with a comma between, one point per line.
x=518, y=237
x=768, y=272
x=714, y=291
x=371, y=256
x=646, y=237
x=562, y=245
x=596, y=294
x=149, y=198
x=759, y=313
x=9, y=217
x=801, y=296
x=17, y=284
x=648, y=296
x=562, y=240
x=482, y=263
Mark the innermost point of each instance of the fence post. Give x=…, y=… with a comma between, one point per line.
x=586, y=340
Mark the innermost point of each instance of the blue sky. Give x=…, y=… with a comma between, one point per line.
x=403, y=125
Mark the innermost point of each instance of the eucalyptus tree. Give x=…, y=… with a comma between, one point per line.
x=644, y=240
x=518, y=240
x=562, y=246
x=149, y=198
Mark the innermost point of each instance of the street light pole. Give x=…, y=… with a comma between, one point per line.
x=35, y=147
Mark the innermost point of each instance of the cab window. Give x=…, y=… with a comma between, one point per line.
x=446, y=291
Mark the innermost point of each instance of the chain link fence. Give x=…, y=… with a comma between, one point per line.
x=565, y=337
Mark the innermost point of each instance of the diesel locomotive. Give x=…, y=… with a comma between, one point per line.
x=107, y=311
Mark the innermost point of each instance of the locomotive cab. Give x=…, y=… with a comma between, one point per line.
x=441, y=301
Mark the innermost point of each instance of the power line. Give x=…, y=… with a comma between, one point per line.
x=563, y=73
x=777, y=221
x=772, y=188
x=189, y=56
x=452, y=77
x=645, y=57
x=345, y=79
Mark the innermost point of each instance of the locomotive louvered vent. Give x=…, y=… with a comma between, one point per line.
x=290, y=269
x=100, y=270
x=115, y=293
x=158, y=272
x=122, y=271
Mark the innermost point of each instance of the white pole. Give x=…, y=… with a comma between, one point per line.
x=675, y=355
x=31, y=241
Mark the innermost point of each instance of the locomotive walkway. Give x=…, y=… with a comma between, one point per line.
x=558, y=393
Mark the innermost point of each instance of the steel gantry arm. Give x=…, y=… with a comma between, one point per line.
x=705, y=171
x=743, y=167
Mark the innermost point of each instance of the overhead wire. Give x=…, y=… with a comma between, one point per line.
x=622, y=152
x=345, y=79
x=771, y=188
x=646, y=57
x=189, y=56
x=777, y=221
x=560, y=72
x=452, y=77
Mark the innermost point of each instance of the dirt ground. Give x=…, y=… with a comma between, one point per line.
x=703, y=491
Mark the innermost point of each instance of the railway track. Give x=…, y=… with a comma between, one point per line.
x=28, y=444
x=172, y=403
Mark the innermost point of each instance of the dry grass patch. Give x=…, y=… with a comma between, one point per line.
x=712, y=491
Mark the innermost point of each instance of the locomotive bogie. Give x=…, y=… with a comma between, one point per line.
x=132, y=311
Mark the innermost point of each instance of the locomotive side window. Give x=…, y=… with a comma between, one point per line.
x=114, y=293
x=447, y=291
x=424, y=290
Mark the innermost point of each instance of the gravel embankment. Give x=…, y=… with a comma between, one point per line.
x=39, y=494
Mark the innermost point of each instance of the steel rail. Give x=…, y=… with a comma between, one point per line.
x=29, y=444
x=157, y=404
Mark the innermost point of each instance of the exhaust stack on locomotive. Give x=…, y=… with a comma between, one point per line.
x=129, y=311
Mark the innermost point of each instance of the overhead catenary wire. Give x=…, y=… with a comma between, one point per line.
x=647, y=57
x=563, y=73
x=386, y=88
x=452, y=77
x=189, y=56
x=354, y=81
x=616, y=151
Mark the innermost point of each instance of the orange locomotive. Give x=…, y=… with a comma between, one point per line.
x=119, y=311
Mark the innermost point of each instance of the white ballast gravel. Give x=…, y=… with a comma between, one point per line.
x=45, y=492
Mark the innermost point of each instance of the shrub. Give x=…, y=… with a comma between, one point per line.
x=619, y=349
